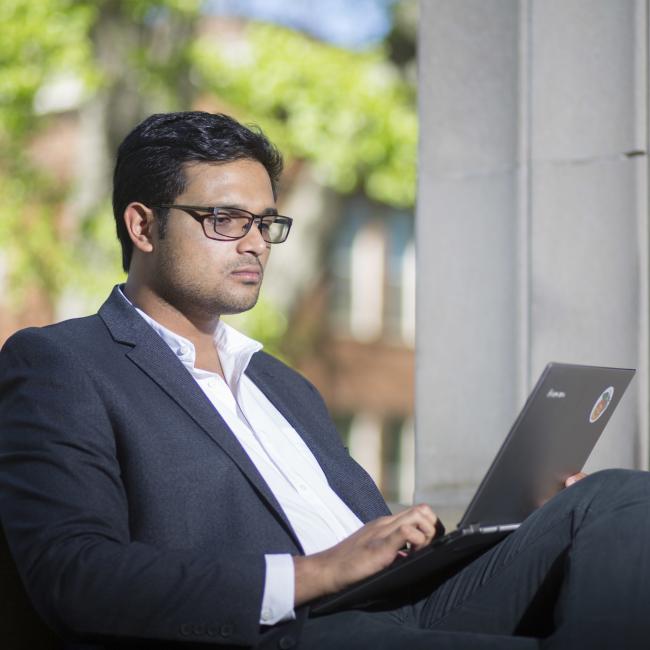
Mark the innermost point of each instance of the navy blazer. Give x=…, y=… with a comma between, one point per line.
x=130, y=508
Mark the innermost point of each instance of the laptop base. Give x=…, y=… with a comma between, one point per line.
x=448, y=554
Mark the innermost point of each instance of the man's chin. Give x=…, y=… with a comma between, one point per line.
x=211, y=304
x=237, y=307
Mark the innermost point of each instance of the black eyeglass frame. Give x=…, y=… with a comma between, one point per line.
x=193, y=211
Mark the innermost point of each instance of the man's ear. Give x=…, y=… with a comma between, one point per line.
x=140, y=223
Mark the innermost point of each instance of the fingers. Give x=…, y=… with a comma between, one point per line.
x=416, y=526
x=370, y=549
x=408, y=536
x=574, y=479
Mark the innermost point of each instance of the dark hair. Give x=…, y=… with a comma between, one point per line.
x=150, y=160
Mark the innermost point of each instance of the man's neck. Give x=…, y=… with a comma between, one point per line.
x=200, y=332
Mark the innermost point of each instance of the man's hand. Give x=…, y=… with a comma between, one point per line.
x=369, y=550
x=574, y=479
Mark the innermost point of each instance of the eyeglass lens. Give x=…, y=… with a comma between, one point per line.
x=234, y=224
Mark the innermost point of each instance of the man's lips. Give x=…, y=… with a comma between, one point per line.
x=248, y=273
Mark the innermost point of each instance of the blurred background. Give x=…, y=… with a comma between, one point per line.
x=529, y=128
x=331, y=82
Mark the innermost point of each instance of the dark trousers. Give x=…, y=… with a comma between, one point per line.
x=576, y=574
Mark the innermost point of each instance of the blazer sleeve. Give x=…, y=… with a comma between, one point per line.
x=64, y=510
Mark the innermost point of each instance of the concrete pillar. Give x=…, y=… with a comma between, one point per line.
x=531, y=222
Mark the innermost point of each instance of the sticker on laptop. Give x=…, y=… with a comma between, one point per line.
x=601, y=404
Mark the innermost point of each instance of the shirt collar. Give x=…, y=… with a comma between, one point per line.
x=235, y=349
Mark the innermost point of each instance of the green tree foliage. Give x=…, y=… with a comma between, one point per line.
x=129, y=56
x=39, y=40
x=351, y=114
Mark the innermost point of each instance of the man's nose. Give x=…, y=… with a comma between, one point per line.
x=252, y=241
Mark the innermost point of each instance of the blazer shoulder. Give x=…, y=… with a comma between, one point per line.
x=73, y=334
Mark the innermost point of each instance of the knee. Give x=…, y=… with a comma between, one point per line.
x=600, y=492
x=616, y=477
x=612, y=486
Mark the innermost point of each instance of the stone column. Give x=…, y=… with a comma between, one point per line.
x=532, y=221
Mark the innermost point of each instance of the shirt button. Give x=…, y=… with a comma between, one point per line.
x=302, y=487
x=182, y=351
x=267, y=614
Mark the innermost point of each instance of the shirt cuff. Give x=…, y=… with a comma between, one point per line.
x=279, y=590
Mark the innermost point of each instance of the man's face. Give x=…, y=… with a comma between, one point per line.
x=203, y=277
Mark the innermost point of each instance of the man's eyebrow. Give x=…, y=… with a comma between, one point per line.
x=238, y=206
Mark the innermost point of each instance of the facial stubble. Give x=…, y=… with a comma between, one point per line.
x=195, y=296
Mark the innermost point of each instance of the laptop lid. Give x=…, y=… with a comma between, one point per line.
x=550, y=440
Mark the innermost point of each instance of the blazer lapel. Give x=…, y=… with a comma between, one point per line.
x=153, y=356
x=338, y=479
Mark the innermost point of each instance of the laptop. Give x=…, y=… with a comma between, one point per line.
x=550, y=440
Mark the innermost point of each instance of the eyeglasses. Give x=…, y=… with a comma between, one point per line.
x=227, y=224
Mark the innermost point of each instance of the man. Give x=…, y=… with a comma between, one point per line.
x=165, y=483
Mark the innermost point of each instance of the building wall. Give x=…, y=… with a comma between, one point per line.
x=532, y=221
x=353, y=338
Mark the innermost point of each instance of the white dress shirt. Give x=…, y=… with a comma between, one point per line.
x=318, y=516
